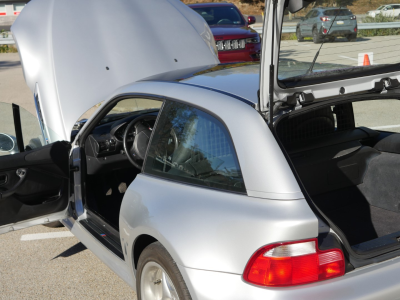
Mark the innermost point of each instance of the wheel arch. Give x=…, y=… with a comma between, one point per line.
x=141, y=242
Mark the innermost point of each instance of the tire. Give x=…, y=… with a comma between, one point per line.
x=156, y=266
x=316, y=38
x=351, y=37
x=298, y=35
x=54, y=224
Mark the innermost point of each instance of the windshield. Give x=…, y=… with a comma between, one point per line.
x=380, y=7
x=323, y=44
x=222, y=15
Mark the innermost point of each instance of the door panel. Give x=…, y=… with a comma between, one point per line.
x=43, y=187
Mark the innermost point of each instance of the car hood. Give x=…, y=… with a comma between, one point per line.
x=226, y=32
x=75, y=53
x=326, y=81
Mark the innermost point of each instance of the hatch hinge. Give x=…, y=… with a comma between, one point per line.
x=385, y=84
x=300, y=98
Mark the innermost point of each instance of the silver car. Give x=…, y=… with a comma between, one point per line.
x=195, y=181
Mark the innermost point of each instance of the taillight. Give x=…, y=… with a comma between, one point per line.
x=325, y=19
x=355, y=29
x=293, y=263
x=353, y=17
x=325, y=31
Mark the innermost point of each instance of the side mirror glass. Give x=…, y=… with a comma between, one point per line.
x=251, y=20
x=8, y=143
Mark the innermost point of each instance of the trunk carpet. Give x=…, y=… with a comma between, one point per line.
x=352, y=213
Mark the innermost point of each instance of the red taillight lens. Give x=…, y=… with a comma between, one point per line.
x=324, y=19
x=325, y=31
x=355, y=29
x=288, y=264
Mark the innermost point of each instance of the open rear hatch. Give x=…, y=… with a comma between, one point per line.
x=349, y=173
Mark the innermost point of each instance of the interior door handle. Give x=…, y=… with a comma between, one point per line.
x=3, y=179
x=21, y=173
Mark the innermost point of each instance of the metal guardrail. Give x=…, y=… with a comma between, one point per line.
x=361, y=26
x=8, y=40
x=285, y=29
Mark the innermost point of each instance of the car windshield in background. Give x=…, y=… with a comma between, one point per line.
x=337, y=12
x=322, y=44
x=223, y=15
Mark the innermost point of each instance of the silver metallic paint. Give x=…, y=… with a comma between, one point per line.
x=241, y=81
x=209, y=229
x=66, y=47
x=378, y=281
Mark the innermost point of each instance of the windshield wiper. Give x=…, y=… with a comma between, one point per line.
x=309, y=71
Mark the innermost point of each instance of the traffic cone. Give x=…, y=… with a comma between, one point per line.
x=366, y=60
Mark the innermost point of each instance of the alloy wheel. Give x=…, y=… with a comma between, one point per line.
x=155, y=283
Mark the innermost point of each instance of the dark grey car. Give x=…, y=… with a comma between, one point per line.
x=328, y=22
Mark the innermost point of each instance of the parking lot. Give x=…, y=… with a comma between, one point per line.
x=38, y=267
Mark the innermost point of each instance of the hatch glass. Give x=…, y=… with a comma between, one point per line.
x=324, y=43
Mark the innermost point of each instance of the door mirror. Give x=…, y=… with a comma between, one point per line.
x=251, y=20
x=8, y=143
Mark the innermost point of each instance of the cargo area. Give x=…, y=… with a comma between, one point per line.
x=351, y=173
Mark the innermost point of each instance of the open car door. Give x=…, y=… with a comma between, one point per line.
x=34, y=177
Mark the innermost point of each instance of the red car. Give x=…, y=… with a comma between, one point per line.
x=236, y=41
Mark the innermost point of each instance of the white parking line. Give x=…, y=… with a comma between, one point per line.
x=47, y=235
x=348, y=57
x=387, y=126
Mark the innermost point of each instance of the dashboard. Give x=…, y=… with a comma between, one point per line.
x=104, y=146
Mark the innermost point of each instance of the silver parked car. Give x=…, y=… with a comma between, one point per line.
x=195, y=181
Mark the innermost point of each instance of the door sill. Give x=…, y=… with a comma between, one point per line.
x=103, y=232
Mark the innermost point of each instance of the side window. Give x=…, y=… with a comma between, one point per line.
x=382, y=115
x=309, y=14
x=192, y=146
x=31, y=133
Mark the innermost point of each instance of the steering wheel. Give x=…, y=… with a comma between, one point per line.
x=224, y=21
x=141, y=136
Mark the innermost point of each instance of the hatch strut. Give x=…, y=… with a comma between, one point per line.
x=272, y=67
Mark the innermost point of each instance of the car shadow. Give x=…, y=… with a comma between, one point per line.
x=9, y=64
x=343, y=40
x=75, y=249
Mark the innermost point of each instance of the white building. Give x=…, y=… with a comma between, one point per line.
x=9, y=11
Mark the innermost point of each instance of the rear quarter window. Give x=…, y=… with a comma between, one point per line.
x=191, y=146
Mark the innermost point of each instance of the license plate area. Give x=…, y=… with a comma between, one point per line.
x=339, y=22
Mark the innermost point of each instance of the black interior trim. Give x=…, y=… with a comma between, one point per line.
x=357, y=259
x=105, y=233
x=18, y=127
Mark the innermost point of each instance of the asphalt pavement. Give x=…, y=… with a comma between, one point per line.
x=54, y=268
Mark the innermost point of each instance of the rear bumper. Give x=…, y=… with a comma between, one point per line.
x=340, y=31
x=381, y=281
x=251, y=53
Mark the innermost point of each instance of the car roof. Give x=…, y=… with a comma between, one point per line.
x=240, y=80
x=195, y=5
